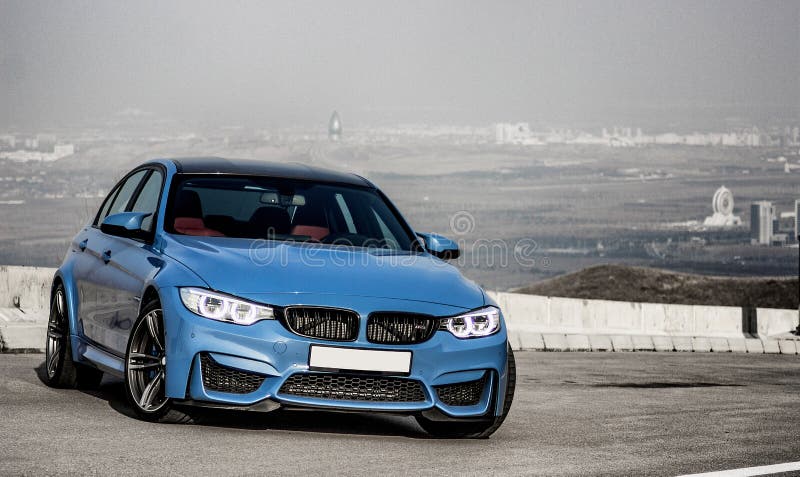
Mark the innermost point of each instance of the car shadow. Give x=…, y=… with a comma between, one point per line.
x=111, y=391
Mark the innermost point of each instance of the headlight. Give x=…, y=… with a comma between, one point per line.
x=483, y=322
x=224, y=308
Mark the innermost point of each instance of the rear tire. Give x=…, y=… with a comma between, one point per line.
x=146, y=369
x=480, y=429
x=60, y=369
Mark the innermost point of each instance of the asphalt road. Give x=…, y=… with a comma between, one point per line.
x=574, y=413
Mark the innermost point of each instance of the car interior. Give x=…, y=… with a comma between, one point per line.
x=317, y=215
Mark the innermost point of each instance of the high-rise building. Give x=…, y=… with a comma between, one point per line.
x=797, y=219
x=761, y=222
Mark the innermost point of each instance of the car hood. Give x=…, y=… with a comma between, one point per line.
x=249, y=267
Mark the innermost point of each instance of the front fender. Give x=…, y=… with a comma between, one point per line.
x=166, y=273
x=65, y=276
x=164, y=280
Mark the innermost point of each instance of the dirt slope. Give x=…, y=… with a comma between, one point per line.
x=624, y=283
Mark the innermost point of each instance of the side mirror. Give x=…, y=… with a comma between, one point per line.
x=440, y=246
x=126, y=224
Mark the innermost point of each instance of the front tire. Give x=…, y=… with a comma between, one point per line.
x=146, y=369
x=480, y=429
x=60, y=370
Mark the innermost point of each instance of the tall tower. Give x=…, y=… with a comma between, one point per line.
x=797, y=219
x=761, y=214
x=335, y=127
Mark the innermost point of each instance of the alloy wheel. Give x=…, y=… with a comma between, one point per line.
x=146, y=366
x=56, y=333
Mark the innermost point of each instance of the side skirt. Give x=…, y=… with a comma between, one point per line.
x=94, y=355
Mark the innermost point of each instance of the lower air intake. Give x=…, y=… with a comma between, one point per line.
x=227, y=380
x=353, y=388
x=462, y=394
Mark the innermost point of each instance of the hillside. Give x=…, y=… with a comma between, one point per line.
x=624, y=283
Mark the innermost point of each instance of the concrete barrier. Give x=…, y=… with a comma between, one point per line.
x=720, y=321
x=22, y=332
x=668, y=319
x=534, y=322
x=719, y=345
x=643, y=343
x=27, y=288
x=24, y=306
x=682, y=343
x=754, y=345
x=622, y=342
x=549, y=315
x=771, y=322
x=578, y=343
x=771, y=346
x=787, y=346
x=738, y=345
x=701, y=344
x=663, y=343
x=555, y=342
x=601, y=343
x=527, y=340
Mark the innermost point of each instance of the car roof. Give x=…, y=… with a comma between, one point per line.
x=247, y=167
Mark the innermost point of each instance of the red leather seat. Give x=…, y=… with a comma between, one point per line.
x=189, y=216
x=194, y=226
x=313, y=231
x=311, y=221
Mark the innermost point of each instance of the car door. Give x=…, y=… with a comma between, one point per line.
x=96, y=293
x=85, y=263
x=130, y=263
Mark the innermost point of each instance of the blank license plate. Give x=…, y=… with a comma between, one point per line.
x=327, y=357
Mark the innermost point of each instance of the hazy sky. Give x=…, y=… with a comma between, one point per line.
x=474, y=62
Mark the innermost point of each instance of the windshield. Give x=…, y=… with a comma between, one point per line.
x=284, y=209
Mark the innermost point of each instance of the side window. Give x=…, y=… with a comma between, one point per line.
x=120, y=202
x=147, y=200
x=106, y=205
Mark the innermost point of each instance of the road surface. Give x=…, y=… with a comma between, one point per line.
x=574, y=414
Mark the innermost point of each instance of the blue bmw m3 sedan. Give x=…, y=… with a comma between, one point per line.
x=257, y=286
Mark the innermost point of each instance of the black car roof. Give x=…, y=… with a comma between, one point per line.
x=245, y=167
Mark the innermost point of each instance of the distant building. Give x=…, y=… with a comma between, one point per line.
x=25, y=155
x=787, y=223
x=779, y=240
x=722, y=204
x=512, y=133
x=9, y=140
x=63, y=150
x=797, y=219
x=335, y=127
x=515, y=133
x=761, y=222
x=45, y=142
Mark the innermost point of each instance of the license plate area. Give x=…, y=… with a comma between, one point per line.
x=330, y=358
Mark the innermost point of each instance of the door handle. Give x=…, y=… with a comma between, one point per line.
x=83, y=244
x=107, y=256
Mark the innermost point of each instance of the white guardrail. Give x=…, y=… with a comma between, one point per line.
x=534, y=322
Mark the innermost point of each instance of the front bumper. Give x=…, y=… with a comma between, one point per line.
x=270, y=350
